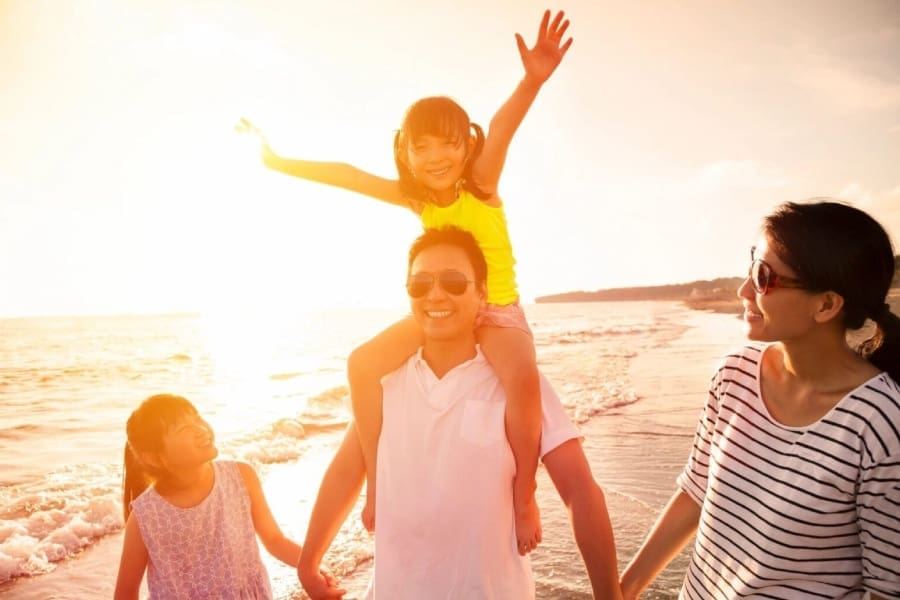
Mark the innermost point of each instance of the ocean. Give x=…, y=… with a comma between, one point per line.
x=274, y=389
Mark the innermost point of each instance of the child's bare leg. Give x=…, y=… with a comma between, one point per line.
x=511, y=353
x=366, y=366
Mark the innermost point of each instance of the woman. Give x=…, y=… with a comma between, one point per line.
x=793, y=483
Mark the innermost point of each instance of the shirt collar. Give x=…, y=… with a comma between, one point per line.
x=423, y=367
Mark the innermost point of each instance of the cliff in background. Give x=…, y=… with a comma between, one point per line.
x=717, y=294
x=677, y=291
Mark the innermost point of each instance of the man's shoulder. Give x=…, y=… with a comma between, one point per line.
x=408, y=366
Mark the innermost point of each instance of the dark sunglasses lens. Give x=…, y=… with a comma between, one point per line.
x=759, y=275
x=454, y=282
x=419, y=285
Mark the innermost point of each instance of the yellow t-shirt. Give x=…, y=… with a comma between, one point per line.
x=488, y=225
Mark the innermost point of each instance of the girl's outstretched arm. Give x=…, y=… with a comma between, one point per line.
x=279, y=546
x=340, y=175
x=539, y=62
x=133, y=562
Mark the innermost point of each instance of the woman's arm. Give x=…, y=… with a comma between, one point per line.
x=539, y=62
x=133, y=562
x=340, y=175
x=672, y=530
x=279, y=546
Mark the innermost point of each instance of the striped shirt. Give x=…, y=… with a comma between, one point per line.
x=794, y=512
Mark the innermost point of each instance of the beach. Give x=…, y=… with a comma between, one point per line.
x=632, y=375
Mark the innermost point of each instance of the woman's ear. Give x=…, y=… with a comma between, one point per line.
x=830, y=305
x=470, y=146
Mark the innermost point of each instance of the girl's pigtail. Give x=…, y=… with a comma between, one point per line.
x=409, y=185
x=883, y=348
x=134, y=480
x=468, y=181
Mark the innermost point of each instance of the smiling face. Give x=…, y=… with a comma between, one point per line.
x=438, y=161
x=445, y=316
x=783, y=313
x=188, y=443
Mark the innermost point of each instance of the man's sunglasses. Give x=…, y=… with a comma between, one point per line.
x=452, y=282
x=764, y=279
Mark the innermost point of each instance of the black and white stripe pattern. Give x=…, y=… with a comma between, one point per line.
x=794, y=512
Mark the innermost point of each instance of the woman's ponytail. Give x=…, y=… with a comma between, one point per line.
x=883, y=348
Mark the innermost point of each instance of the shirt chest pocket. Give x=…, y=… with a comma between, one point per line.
x=482, y=423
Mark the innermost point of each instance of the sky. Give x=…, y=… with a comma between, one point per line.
x=649, y=157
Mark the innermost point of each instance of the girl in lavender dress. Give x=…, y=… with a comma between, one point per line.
x=191, y=522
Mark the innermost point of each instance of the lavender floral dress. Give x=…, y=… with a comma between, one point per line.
x=207, y=551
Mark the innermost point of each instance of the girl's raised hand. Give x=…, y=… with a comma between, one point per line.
x=245, y=126
x=548, y=51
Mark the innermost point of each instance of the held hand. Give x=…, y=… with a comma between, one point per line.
x=548, y=52
x=319, y=584
x=368, y=514
x=528, y=526
x=629, y=595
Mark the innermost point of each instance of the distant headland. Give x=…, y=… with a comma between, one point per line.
x=718, y=294
x=714, y=294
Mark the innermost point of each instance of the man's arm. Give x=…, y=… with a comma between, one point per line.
x=571, y=474
x=338, y=493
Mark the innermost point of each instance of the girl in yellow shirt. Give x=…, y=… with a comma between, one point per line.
x=448, y=174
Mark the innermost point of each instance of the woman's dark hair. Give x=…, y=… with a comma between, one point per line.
x=832, y=246
x=439, y=116
x=146, y=428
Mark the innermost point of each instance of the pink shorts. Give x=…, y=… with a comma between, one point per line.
x=508, y=315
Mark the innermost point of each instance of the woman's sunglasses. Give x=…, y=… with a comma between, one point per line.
x=452, y=282
x=763, y=278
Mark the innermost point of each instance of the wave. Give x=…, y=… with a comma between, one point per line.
x=586, y=335
x=286, y=376
x=277, y=443
x=56, y=519
x=19, y=431
x=68, y=510
x=656, y=433
x=62, y=513
x=606, y=401
x=328, y=409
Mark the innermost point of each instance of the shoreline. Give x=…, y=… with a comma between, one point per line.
x=653, y=436
x=635, y=452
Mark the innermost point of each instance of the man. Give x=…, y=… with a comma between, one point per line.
x=445, y=525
